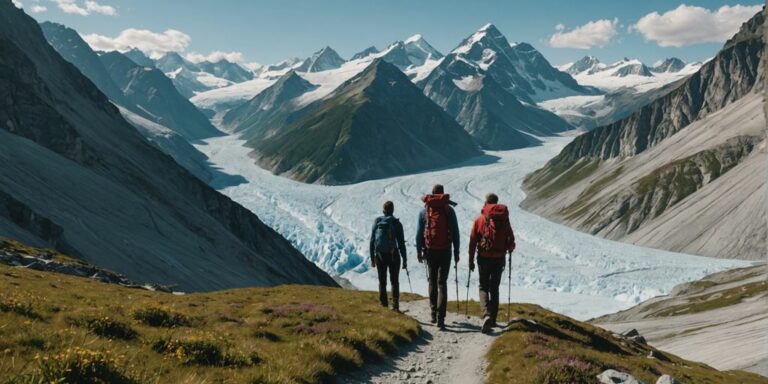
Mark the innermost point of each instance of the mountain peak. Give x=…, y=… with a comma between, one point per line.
x=487, y=27
x=413, y=39
x=670, y=64
x=322, y=60
x=365, y=53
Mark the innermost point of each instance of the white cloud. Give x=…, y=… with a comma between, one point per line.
x=215, y=56
x=592, y=34
x=686, y=25
x=87, y=8
x=39, y=8
x=17, y=3
x=151, y=43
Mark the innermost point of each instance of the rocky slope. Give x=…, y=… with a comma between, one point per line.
x=76, y=176
x=143, y=90
x=149, y=92
x=375, y=125
x=138, y=112
x=268, y=111
x=489, y=87
x=719, y=320
x=686, y=156
x=68, y=43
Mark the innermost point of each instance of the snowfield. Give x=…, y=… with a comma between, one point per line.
x=554, y=266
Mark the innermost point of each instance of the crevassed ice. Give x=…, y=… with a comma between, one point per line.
x=554, y=266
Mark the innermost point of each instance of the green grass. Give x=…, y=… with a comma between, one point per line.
x=557, y=349
x=715, y=300
x=77, y=330
x=553, y=179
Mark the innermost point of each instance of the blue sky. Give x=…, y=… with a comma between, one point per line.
x=269, y=31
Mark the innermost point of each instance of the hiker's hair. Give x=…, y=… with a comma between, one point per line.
x=389, y=208
x=491, y=198
x=437, y=189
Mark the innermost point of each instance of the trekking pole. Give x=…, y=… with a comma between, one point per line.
x=509, y=288
x=466, y=306
x=456, y=269
x=409, y=279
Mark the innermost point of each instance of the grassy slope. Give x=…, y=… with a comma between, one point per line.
x=52, y=322
x=558, y=349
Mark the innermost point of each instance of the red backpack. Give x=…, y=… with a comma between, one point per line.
x=495, y=229
x=437, y=231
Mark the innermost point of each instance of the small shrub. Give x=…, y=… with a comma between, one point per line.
x=566, y=370
x=11, y=305
x=82, y=366
x=317, y=329
x=267, y=335
x=201, y=352
x=109, y=328
x=33, y=342
x=160, y=317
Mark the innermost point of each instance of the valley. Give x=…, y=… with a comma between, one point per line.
x=562, y=269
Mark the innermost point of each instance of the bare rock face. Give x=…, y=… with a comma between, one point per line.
x=74, y=174
x=674, y=161
x=734, y=72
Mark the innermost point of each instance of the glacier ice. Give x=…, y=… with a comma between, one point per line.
x=554, y=266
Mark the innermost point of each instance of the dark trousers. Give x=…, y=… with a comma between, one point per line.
x=388, y=263
x=490, y=270
x=439, y=264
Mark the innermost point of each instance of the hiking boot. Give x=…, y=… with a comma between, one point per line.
x=396, y=305
x=441, y=324
x=434, y=318
x=487, y=325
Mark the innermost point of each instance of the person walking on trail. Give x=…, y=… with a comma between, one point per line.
x=491, y=237
x=437, y=231
x=387, y=247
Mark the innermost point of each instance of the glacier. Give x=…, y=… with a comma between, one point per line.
x=554, y=266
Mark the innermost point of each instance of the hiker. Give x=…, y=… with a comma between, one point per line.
x=436, y=232
x=491, y=238
x=387, y=247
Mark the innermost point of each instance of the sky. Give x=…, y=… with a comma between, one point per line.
x=270, y=31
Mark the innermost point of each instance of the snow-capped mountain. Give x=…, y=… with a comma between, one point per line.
x=192, y=78
x=628, y=84
x=627, y=72
x=365, y=53
x=489, y=86
x=629, y=67
x=588, y=64
x=266, y=112
x=377, y=124
x=670, y=64
x=322, y=60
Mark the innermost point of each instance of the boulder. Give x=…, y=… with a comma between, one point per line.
x=631, y=333
x=611, y=376
x=667, y=379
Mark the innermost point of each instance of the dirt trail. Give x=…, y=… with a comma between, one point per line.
x=456, y=355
